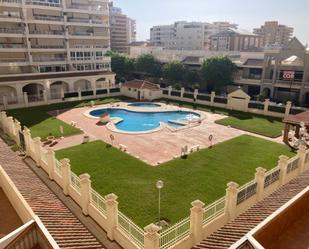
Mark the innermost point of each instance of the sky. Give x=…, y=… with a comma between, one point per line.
x=248, y=14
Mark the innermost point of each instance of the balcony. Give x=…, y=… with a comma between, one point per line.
x=11, y=31
x=98, y=35
x=49, y=59
x=87, y=8
x=10, y=1
x=249, y=81
x=87, y=21
x=47, y=46
x=43, y=3
x=49, y=18
x=11, y=16
x=44, y=32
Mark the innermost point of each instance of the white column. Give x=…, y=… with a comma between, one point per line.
x=45, y=96
x=66, y=175
x=5, y=102
x=302, y=157
x=170, y=91
x=37, y=149
x=287, y=108
x=152, y=237
x=111, y=214
x=17, y=131
x=266, y=105
x=85, y=188
x=283, y=164
x=26, y=99
x=51, y=161
x=27, y=137
x=212, y=98
x=196, y=220
x=260, y=179
x=79, y=93
x=195, y=94
x=182, y=90
x=231, y=200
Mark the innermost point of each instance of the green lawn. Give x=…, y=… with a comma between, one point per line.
x=41, y=123
x=263, y=125
x=203, y=175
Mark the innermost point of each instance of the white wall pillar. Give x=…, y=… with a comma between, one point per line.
x=5, y=102
x=182, y=91
x=37, y=149
x=231, y=200
x=283, y=164
x=51, y=162
x=45, y=97
x=212, y=98
x=79, y=93
x=302, y=157
x=287, y=108
x=170, y=91
x=26, y=99
x=111, y=214
x=85, y=188
x=195, y=94
x=66, y=175
x=152, y=237
x=266, y=105
x=196, y=220
x=260, y=179
x=27, y=137
x=17, y=131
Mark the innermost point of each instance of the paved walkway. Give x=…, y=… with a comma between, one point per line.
x=68, y=231
x=240, y=226
x=160, y=146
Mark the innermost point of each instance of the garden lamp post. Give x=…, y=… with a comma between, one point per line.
x=159, y=185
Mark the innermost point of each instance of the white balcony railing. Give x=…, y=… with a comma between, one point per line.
x=43, y=3
x=47, y=59
x=11, y=31
x=48, y=46
x=86, y=7
x=44, y=32
x=10, y=15
x=12, y=46
x=11, y=1
x=48, y=18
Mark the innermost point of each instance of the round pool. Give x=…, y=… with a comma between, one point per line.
x=145, y=121
x=145, y=105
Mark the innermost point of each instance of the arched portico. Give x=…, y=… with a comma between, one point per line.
x=34, y=91
x=57, y=87
x=10, y=93
x=82, y=85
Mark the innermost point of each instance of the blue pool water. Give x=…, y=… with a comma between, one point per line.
x=147, y=105
x=144, y=121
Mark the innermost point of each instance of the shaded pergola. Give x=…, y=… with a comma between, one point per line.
x=295, y=121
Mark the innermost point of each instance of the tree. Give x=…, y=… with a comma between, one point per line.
x=192, y=76
x=218, y=72
x=147, y=63
x=174, y=71
x=121, y=64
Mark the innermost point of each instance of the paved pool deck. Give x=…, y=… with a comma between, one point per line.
x=153, y=148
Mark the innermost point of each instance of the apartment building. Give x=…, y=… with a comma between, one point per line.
x=123, y=30
x=283, y=74
x=186, y=35
x=235, y=40
x=274, y=34
x=51, y=46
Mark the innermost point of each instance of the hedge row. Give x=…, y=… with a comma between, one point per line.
x=188, y=95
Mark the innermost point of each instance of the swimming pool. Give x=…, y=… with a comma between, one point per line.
x=145, y=121
x=145, y=105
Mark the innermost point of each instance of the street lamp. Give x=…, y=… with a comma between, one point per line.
x=159, y=185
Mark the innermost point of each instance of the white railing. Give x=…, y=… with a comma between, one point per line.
x=11, y=1
x=271, y=176
x=133, y=231
x=58, y=167
x=43, y=32
x=44, y=3
x=293, y=164
x=11, y=31
x=98, y=201
x=246, y=191
x=214, y=210
x=175, y=233
x=75, y=181
x=47, y=46
x=48, y=18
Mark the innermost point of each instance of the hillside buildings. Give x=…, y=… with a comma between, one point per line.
x=123, y=30
x=187, y=35
x=274, y=34
x=48, y=48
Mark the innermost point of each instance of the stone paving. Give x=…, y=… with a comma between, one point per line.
x=152, y=148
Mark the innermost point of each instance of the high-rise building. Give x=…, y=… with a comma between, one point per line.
x=53, y=45
x=123, y=30
x=274, y=34
x=187, y=35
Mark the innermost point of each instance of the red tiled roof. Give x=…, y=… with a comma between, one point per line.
x=141, y=84
x=64, y=227
x=298, y=118
x=241, y=225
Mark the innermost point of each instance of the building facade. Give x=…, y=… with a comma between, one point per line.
x=274, y=34
x=235, y=40
x=53, y=46
x=123, y=30
x=282, y=75
x=186, y=35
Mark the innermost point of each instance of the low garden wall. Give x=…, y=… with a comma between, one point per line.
x=203, y=220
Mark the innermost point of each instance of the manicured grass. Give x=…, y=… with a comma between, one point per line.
x=42, y=124
x=263, y=125
x=203, y=175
